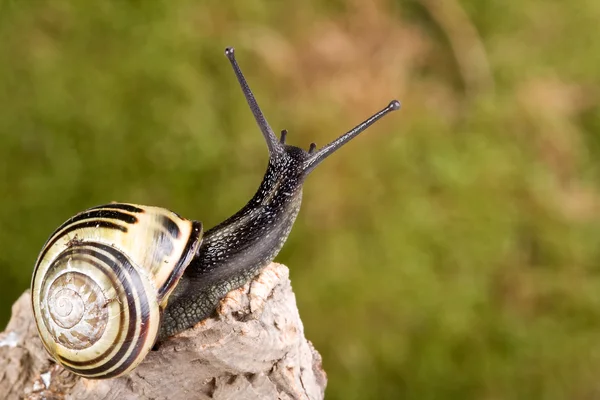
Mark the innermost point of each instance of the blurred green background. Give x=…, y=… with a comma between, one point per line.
x=451, y=252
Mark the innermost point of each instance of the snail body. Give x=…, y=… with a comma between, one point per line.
x=116, y=279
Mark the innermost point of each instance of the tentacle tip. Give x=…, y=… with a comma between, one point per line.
x=284, y=133
x=394, y=105
x=229, y=52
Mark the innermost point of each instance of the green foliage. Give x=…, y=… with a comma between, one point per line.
x=450, y=252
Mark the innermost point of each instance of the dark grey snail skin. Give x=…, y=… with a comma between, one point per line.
x=233, y=252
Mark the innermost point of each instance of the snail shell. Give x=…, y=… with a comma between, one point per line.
x=102, y=280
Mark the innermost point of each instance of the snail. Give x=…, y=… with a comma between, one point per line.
x=114, y=280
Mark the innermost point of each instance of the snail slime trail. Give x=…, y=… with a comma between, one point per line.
x=101, y=300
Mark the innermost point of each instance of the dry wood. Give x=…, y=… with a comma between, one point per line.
x=253, y=348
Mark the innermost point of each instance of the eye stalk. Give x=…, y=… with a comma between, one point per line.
x=277, y=146
x=320, y=155
x=274, y=146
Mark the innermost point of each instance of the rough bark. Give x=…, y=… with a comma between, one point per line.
x=253, y=348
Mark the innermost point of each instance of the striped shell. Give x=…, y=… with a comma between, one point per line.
x=102, y=280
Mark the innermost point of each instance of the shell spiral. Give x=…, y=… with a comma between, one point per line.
x=102, y=280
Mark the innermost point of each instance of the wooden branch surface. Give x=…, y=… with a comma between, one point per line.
x=253, y=348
